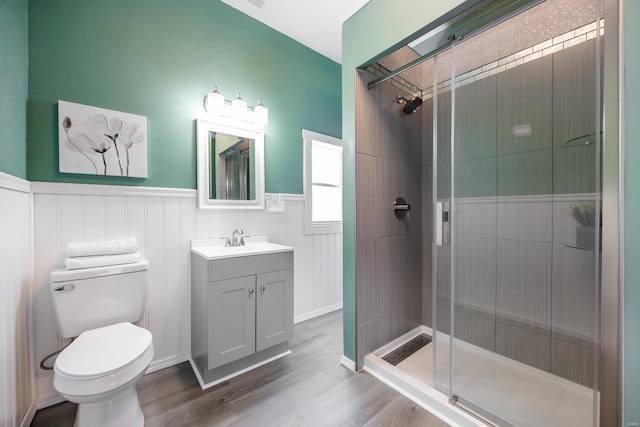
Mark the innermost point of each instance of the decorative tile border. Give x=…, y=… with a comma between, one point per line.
x=531, y=53
x=548, y=47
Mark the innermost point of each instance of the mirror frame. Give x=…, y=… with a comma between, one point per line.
x=232, y=127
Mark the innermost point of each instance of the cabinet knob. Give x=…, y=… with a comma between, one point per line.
x=262, y=288
x=251, y=290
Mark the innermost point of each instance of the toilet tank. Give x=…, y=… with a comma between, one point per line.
x=90, y=298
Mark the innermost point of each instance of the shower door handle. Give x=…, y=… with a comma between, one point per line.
x=442, y=223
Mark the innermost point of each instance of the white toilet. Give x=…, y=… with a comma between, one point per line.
x=99, y=370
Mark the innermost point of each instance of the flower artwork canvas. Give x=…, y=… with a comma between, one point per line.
x=97, y=141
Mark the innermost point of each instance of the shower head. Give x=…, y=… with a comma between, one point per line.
x=411, y=105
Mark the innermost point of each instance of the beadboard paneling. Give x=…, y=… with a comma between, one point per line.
x=16, y=273
x=164, y=225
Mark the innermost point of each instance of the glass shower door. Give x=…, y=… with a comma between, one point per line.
x=522, y=177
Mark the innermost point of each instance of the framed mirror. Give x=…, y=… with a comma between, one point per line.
x=230, y=164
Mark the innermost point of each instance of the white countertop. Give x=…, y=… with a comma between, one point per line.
x=211, y=249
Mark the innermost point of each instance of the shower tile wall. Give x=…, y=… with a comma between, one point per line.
x=388, y=249
x=523, y=290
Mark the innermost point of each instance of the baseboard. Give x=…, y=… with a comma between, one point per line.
x=348, y=363
x=45, y=402
x=316, y=313
x=29, y=415
x=40, y=403
x=165, y=363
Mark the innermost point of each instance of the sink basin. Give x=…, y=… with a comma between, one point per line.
x=254, y=245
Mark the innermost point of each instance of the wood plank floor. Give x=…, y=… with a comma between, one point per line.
x=307, y=388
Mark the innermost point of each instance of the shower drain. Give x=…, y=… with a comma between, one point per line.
x=407, y=349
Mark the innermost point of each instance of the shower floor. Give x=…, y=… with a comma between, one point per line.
x=519, y=394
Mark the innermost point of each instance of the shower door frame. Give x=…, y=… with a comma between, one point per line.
x=612, y=280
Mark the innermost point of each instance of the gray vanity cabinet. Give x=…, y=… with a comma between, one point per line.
x=249, y=314
x=241, y=312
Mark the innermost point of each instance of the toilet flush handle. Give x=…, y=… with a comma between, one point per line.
x=65, y=288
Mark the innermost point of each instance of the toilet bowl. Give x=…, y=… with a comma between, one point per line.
x=99, y=371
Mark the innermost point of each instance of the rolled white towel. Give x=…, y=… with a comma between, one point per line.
x=109, y=247
x=100, y=260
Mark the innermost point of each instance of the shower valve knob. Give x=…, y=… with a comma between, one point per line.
x=401, y=208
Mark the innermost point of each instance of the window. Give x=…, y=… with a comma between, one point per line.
x=322, y=183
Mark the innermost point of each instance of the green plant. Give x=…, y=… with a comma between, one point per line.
x=584, y=213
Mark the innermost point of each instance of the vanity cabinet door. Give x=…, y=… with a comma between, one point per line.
x=274, y=322
x=232, y=319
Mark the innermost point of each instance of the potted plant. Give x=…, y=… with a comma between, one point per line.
x=585, y=215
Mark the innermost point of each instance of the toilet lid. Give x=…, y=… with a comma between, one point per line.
x=101, y=351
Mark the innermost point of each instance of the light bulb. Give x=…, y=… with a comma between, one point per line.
x=214, y=102
x=239, y=107
x=261, y=114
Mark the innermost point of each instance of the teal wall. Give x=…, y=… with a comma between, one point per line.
x=374, y=29
x=632, y=212
x=158, y=58
x=13, y=87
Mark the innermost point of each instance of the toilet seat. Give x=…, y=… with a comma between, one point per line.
x=103, y=359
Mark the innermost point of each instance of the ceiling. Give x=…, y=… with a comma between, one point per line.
x=316, y=24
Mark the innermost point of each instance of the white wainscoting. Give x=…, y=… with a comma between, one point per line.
x=165, y=221
x=16, y=279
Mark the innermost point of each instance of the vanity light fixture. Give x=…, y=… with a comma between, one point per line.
x=214, y=103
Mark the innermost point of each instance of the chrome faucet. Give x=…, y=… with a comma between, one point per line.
x=237, y=239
